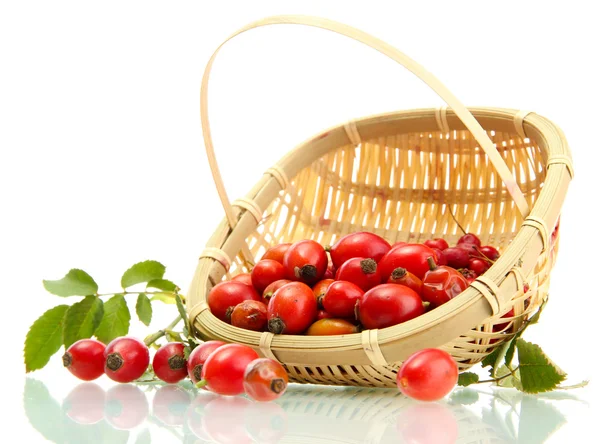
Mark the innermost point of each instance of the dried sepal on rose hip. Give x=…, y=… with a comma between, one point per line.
x=85, y=359
x=265, y=379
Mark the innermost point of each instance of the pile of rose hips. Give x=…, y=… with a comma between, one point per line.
x=365, y=283
x=225, y=369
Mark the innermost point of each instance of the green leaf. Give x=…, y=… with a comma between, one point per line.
x=538, y=372
x=82, y=320
x=467, y=378
x=143, y=308
x=491, y=358
x=164, y=297
x=173, y=336
x=44, y=338
x=182, y=312
x=186, y=352
x=508, y=381
x=142, y=272
x=163, y=284
x=43, y=411
x=510, y=351
x=75, y=283
x=115, y=321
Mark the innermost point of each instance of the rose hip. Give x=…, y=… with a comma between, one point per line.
x=85, y=359
x=198, y=357
x=469, y=238
x=126, y=359
x=251, y=315
x=456, y=257
x=169, y=363
x=402, y=276
x=266, y=272
x=265, y=379
x=360, y=271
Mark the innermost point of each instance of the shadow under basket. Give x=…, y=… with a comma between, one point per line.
x=502, y=173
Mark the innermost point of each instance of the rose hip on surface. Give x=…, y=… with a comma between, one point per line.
x=292, y=309
x=198, y=357
x=360, y=271
x=169, y=363
x=305, y=261
x=126, y=406
x=265, y=272
x=387, y=305
x=251, y=315
x=223, y=371
x=265, y=379
x=126, y=359
x=359, y=244
x=427, y=375
x=229, y=294
x=169, y=404
x=85, y=359
x=85, y=403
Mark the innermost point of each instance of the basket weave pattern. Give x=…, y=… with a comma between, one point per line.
x=401, y=175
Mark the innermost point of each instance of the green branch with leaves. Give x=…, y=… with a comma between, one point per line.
x=107, y=319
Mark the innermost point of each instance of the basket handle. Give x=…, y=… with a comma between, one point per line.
x=461, y=111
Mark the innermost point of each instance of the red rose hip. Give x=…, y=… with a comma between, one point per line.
x=305, y=261
x=85, y=359
x=169, y=363
x=292, y=309
x=198, y=357
x=427, y=375
x=387, y=305
x=226, y=295
x=266, y=272
x=223, y=371
x=126, y=359
x=359, y=244
x=360, y=271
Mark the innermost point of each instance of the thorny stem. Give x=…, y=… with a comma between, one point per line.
x=160, y=333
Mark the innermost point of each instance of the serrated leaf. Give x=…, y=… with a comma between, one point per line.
x=82, y=320
x=43, y=411
x=490, y=359
x=75, y=283
x=115, y=321
x=163, y=284
x=143, y=308
x=164, y=297
x=506, y=381
x=44, y=338
x=142, y=272
x=182, y=312
x=467, y=378
x=538, y=372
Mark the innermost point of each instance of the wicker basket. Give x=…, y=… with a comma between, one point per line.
x=403, y=175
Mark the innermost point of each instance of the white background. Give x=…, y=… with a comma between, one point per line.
x=101, y=156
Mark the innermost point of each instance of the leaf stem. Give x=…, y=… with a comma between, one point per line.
x=512, y=373
x=160, y=333
x=170, y=293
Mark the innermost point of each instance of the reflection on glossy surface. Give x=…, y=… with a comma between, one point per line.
x=310, y=414
x=126, y=406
